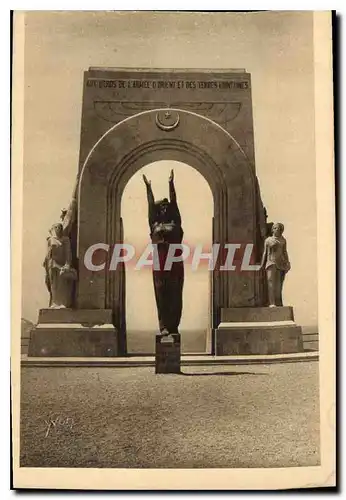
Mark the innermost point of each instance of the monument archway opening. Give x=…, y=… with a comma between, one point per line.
x=196, y=207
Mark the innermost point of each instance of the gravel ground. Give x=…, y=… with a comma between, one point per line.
x=212, y=416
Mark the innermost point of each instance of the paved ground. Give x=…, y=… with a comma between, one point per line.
x=214, y=416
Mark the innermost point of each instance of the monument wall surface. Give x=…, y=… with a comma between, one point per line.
x=110, y=96
x=131, y=118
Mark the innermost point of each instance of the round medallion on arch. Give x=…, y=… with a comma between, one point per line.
x=167, y=119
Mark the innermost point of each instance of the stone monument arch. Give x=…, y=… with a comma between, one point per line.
x=127, y=147
x=134, y=117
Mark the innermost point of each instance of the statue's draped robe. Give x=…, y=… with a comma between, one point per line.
x=168, y=285
x=277, y=264
x=59, y=252
x=59, y=255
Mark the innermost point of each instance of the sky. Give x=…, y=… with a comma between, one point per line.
x=275, y=47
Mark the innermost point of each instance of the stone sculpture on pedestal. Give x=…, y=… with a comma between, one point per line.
x=64, y=329
x=60, y=274
x=276, y=262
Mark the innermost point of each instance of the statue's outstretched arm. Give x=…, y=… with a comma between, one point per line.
x=71, y=212
x=68, y=252
x=173, y=200
x=69, y=217
x=151, y=201
x=150, y=194
x=172, y=193
x=75, y=189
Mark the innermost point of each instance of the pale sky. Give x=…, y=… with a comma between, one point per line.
x=275, y=47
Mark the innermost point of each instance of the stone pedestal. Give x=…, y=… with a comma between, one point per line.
x=258, y=330
x=167, y=353
x=73, y=333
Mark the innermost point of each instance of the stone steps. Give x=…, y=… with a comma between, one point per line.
x=310, y=341
x=186, y=360
x=24, y=345
x=26, y=327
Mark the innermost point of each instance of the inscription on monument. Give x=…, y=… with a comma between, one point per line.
x=168, y=84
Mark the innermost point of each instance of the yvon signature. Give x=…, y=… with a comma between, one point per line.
x=59, y=422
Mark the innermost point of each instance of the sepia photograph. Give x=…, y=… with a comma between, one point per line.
x=173, y=194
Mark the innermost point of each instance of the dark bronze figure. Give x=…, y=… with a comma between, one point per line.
x=165, y=229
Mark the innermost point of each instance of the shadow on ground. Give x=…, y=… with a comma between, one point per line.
x=204, y=374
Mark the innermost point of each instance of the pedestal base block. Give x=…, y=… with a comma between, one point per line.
x=79, y=333
x=256, y=314
x=262, y=330
x=167, y=353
